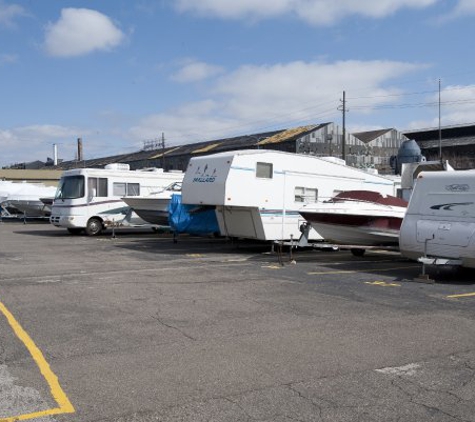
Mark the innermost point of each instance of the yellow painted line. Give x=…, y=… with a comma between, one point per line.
x=382, y=283
x=194, y=255
x=358, y=271
x=64, y=405
x=462, y=295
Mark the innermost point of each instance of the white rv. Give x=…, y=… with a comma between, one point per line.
x=439, y=225
x=257, y=193
x=88, y=198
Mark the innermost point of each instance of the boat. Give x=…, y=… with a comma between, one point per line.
x=31, y=207
x=154, y=207
x=358, y=217
x=23, y=198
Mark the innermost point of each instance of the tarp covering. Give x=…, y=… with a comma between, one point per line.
x=191, y=219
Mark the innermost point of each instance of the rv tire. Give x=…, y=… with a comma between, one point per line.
x=94, y=227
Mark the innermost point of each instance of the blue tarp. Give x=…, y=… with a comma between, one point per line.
x=191, y=219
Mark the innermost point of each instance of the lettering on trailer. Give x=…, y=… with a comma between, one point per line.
x=456, y=187
x=449, y=206
x=204, y=175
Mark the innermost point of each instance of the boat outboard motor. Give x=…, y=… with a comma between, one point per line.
x=409, y=152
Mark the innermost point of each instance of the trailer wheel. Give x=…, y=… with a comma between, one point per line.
x=74, y=231
x=94, y=227
x=357, y=251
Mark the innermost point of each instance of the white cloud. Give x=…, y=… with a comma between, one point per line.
x=463, y=8
x=317, y=12
x=81, y=31
x=8, y=14
x=196, y=71
x=265, y=97
x=284, y=88
x=457, y=107
x=8, y=58
x=190, y=123
x=30, y=143
x=457, y=104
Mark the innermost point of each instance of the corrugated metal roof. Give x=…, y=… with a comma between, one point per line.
x=447, y=142
x=161, y=154
x=286, y=135
x=370, y=135
x=206, y=148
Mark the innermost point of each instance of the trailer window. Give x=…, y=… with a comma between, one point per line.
x=126, y=189
x=303, y=194
x=97, y=185
x=264, y=170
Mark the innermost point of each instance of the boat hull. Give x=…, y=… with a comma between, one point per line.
x=357, y=230
x=152, y=210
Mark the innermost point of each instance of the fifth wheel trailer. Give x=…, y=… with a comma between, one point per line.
x=258, y=193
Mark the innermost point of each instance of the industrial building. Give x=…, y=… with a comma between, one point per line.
x=363, y=150
x=370, y=149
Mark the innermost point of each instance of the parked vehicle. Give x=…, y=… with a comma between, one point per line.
x=258, y=193
x=439, y=226
x=89, y=199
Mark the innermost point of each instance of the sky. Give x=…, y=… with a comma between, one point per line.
x=117, y=73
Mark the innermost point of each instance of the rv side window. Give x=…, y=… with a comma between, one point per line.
x=126, y=189
x=303, y=194
x=264, y=170
x=97, y=185
x=119, y=189
x=133, y=189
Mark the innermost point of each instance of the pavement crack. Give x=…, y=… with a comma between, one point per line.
x=412, y=396
x=307, y=399
x=161, y=322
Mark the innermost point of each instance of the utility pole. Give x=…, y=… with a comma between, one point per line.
x=343, y=109
x=440, y=129
x=162, y=145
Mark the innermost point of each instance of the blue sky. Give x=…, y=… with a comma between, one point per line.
x=119, y=72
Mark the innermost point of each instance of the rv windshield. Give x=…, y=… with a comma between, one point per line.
x=70, y=187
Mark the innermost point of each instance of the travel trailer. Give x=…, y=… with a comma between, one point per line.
x=258, y=193
x=439, y=226
x=89, y=199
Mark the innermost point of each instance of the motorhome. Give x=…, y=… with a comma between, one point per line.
x=258, y=193
x=88, y=199
x=439, y=225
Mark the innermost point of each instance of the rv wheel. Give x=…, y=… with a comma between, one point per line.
x=94, y=227
x=357, y=251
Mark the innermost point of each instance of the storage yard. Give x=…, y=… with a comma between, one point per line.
x=139, y=328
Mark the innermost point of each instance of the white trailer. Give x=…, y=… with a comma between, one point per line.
x=439, y=225
x=257, y=193
x=88, y=198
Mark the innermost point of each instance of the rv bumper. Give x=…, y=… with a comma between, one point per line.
x=60, y=221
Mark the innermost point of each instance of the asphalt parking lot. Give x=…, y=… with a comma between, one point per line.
x=139, y=328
